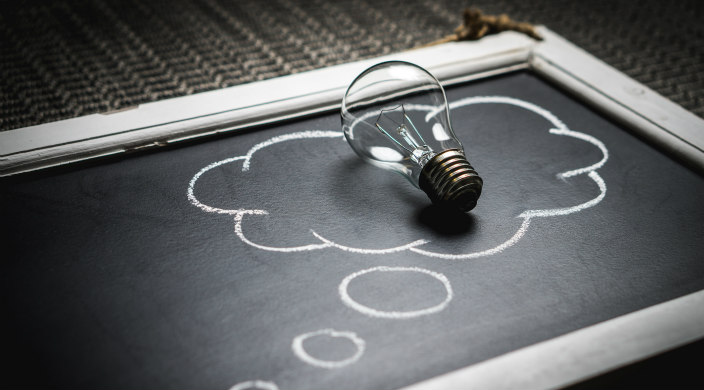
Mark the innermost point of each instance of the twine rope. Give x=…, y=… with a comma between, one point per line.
x=477, y=25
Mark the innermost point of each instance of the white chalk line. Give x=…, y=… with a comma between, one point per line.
x=325, y=243
x=588, y=138
x=559, y=128
x=245, y=166
x=497, y=249
x=370, y=251
x=347, y=300
x=255, y=384
x=240, y=234
x=526, y=215
x=239, y=213
x=301, y=353
x=502, y=100
x=209, y=209
x=288, y=137
x=573, y=209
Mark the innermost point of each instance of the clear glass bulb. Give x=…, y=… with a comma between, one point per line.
x=395, y=116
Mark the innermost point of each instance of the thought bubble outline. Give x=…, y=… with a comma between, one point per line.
x=394, y=314
x=559, y=128
x=300, y=351
x=255, y=384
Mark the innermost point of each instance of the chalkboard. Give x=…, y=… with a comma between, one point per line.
x=276, y=258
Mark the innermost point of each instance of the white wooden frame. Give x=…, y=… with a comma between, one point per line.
x=549, y=364
x=156, y=124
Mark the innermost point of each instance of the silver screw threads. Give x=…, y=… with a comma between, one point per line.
x=450, y=181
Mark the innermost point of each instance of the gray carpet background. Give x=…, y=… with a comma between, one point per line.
x=67, y=58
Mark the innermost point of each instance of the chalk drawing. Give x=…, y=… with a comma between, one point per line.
x=560, y=127
x=347, y=300
x=369, y=251
x=557, y=127
x=192, y=198
x=240, y=234
x=257, y=384
x=287, y=137
x=300, y=351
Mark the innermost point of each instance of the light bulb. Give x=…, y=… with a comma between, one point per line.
x=395, y=116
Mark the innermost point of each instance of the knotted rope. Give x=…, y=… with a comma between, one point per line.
x=477, y=25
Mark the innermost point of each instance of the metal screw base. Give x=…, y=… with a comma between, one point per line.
x=449, y=180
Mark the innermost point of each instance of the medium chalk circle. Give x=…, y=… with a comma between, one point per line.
x=263, y=385
x=347, y=300
x=297, y=346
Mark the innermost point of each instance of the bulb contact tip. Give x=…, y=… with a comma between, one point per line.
x=450, y=181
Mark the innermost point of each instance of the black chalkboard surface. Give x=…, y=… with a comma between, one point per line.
x=278, y=256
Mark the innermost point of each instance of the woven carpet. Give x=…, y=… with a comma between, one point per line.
x=66, y=58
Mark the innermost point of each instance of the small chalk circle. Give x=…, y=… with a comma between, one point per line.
x=301, y=353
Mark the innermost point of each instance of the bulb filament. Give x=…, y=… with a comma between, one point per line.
x=419, y=152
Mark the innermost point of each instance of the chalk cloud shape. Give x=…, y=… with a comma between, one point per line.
x=558, y=128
